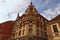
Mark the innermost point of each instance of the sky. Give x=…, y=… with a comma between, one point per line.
x=10, y=8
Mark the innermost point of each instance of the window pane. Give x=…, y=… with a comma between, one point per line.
x=55, y=28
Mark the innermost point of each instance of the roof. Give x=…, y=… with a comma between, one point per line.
x=55, y=19
x=6, y=28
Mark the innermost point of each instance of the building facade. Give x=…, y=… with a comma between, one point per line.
x=53, y=28
x=30, y=26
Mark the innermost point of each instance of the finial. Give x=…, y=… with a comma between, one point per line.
x=31, y=4
x=18, y=14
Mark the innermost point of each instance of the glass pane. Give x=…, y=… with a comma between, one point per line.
x=55, y=28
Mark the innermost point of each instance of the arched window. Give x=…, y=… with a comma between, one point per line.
x=30, y=31
x=23, y=32
x=13, y=34
x=20, y=25
x=37, y=32
x=30, y=25
x=19, y=33
x=41, y=33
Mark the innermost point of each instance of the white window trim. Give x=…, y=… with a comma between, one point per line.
x=56, y=25
x=57, y=28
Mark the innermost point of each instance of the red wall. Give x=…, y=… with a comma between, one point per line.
x=6, y=29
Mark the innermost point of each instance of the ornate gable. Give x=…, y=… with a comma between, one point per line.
x=31, y=9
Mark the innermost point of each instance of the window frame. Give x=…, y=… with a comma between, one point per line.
x=52, y=27
x=55, y=29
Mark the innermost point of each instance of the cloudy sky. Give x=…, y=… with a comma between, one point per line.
x=10, y=8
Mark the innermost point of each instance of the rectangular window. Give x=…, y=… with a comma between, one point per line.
x=55, y=28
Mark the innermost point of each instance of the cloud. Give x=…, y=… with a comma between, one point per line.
x=51, y=13
x=9, y=8
x=46, y=3
x=20, y=7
